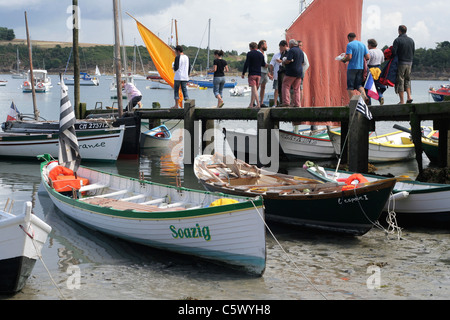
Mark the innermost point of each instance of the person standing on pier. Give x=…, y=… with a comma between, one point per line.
x=374, y=66
x=293, y=77
x=355, y=54
x=305, y=67
x=262, y=47
x=274, y=68
x=181, y=78
x=403, y=48
x=253, y=63
x=220, y=67
x=284, y=49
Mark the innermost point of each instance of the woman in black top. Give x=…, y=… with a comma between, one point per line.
x=220, y=67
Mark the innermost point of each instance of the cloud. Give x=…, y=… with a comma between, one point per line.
x=234, y=23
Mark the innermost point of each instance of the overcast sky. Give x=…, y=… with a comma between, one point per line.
x=233, y=23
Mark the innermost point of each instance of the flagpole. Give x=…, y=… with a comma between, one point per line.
x=33, y=90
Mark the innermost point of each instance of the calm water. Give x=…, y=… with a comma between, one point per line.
x=301, y=264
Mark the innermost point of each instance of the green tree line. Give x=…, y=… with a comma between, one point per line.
x=58, y=58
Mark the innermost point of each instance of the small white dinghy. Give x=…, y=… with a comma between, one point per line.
x=21, y=240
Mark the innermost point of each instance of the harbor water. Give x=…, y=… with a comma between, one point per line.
x=82, y=264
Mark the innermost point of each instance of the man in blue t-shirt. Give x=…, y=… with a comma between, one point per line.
x=356, y=53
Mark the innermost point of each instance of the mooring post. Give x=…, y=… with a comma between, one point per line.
x=190, y=143
x=416, y=134
x=208, y=126
x=444, y=145
x=265, y=125
x=358, y=139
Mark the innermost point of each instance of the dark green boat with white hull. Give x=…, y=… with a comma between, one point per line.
x=299, y=201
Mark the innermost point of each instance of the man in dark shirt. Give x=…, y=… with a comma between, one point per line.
x=254, y=62
x=403, y=48
x=293, y=77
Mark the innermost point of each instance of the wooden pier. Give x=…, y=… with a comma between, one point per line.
x=356, y=150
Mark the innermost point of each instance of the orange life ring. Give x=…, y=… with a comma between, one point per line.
x=356, y=177
x=26, y=84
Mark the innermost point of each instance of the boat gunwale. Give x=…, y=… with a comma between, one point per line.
x=439, y=186
x=304, y=136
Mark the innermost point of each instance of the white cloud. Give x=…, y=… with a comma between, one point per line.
x=234, y=23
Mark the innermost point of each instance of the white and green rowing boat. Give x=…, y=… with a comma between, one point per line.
x=218, y=227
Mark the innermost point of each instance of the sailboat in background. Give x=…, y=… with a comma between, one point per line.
x=207, y=81
x=134, y=73
x=18, y=74
x=97, y=71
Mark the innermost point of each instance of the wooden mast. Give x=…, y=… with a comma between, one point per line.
x=117, y=64
x=33, y=90
x=76, y=59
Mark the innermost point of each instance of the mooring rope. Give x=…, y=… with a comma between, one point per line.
x=42, y=259
x=288, y=256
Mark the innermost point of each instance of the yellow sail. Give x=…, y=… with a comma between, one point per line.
x=162, y=55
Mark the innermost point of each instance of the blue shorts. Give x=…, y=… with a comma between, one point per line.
x=354, y=79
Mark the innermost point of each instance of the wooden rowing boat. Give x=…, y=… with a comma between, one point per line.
x=217, y=227
x=394, y=146
x=430, y=201
x=21, y=240
x=297, y=200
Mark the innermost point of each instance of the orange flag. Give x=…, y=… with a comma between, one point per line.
x=162, y=55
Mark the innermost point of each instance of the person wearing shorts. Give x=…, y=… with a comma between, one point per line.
x=253, y=63
x=220, y=67
x=403, y=48
x=355, y=54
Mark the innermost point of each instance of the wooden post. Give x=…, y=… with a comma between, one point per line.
x=265, y=125
x=358, y=140
x=416, y=133
x=443, y=148
x=190, y=137
x=208, y=125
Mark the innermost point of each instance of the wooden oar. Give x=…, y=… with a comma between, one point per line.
x=399, y=127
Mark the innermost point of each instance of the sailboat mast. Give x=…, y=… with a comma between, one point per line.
x=76, y=59
x=117, y=64
x=209, y=38
x=33, y=90
x=124, y=49
x=176, y=33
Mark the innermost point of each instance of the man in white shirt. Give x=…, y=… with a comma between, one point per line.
x=182, y=70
